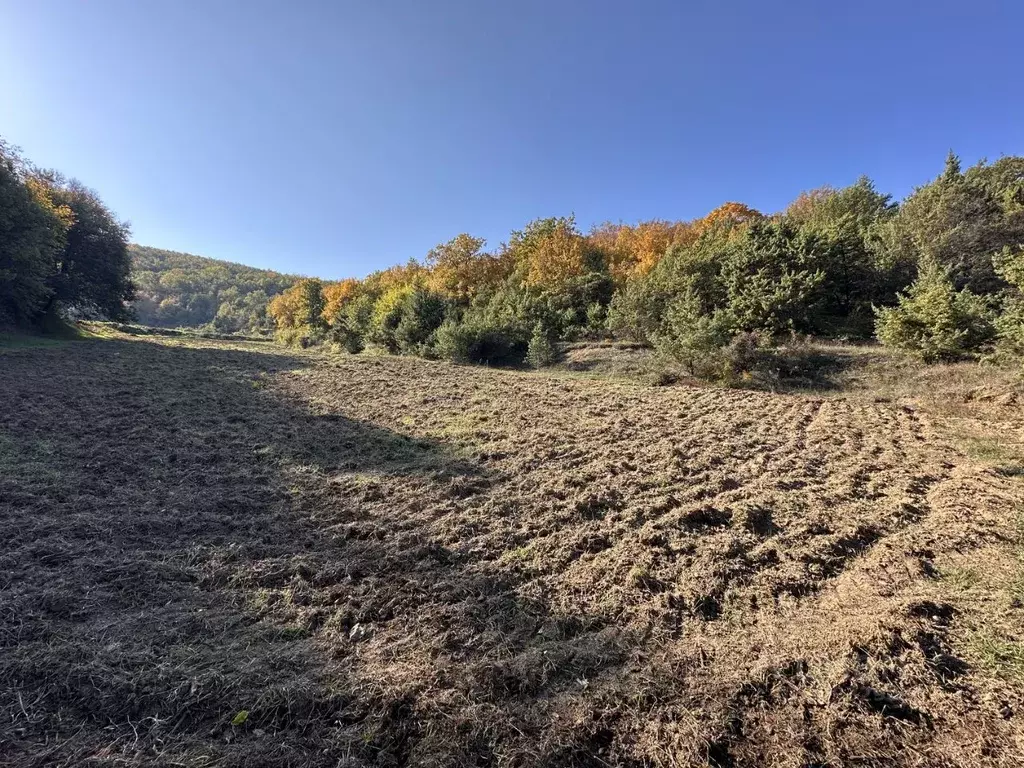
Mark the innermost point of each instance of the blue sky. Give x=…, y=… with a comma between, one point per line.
x=333, y=138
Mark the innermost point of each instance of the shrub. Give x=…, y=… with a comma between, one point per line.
x=351, y=342
x=695, y=339
x=743, y=353
x=774, y=276
x=638, y=310
x=541, y=351
x=597, y=320
x=386, y=315
x=452, y=342
x=1009, y=324
x=477, y=341
x=1009, y=327
x=422, y=313
x=629, y=314
x=935, y=322
x=350, y=325
x=301, y=336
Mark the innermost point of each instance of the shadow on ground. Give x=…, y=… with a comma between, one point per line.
x=184, y=547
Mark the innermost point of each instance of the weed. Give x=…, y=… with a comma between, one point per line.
x=962, y=579
x=518, y=555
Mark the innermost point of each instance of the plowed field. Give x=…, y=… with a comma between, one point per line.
x=218, y=554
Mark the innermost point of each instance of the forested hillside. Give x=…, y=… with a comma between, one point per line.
x=179, y=289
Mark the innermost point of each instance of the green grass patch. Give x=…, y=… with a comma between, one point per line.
x=35, y=462
x=991, y=449
x=15, y=340
x=1002, y=656
x=518, y=555
x=962, y=579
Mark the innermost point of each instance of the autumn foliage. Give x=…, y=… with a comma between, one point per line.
x=825, y=265
x=632, y=250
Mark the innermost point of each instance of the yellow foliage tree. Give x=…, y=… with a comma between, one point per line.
x=42, y=193
x=631, y=250
x=727, y=215
x=461, y=270
x=804, y=207
x=336, y=296
x=300, y=306
x=410, y=273
x=549, y=252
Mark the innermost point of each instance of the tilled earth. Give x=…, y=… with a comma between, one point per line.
x=218, y=554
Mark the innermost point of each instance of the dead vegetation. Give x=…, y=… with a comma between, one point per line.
x=220, y=554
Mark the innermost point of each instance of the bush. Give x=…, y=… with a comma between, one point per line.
x=477, y=341
x=541, y=351
x=387, y=314
x=629, y=314
x=935, y=322
x=1010, y=328
x=773, y=277
x=695, y=339
x=422, y=313
x=597, y=320
x=638, y=310
x=351, y=342
x=301, y=336
x=352, y=323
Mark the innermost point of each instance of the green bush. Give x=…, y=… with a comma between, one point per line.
x=934, y=321
x=774, y=277
x=352, y=325
x=302, y=336
x=597, y=320
x=541, y=351
x=1009, y=327
x=1009, y=264
x=477, y=341
x=422, y=313
x=629, y=314
x=386, y=315
x=695, y=339
x=638, y=310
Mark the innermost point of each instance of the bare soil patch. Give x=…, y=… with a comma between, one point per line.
x=383, y=562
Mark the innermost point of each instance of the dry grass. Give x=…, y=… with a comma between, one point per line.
x=219, y=553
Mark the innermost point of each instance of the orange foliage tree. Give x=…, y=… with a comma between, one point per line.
x=336, y=296
x=301, y=306
x=548, y=252
x=634, y=249
x=461, y=270
x=727, y=215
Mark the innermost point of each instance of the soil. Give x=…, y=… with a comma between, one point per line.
x=221, y=553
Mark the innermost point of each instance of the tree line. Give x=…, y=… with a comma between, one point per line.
x=62, y=252
x=939, y=275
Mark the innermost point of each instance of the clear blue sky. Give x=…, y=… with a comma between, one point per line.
x=333, y=138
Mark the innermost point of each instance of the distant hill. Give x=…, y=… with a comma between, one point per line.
x=182, y=290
